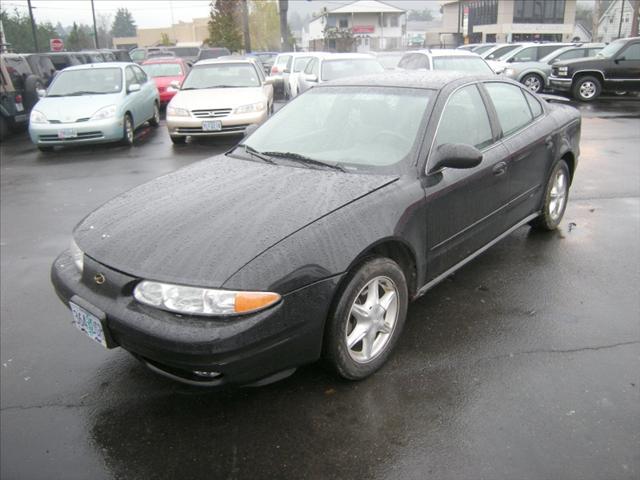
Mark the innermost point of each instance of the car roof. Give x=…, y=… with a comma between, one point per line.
x=446, y=52
x=226, y=59
x=348, y=56
x=85, y=66
x=426, y=79
x=163, y=60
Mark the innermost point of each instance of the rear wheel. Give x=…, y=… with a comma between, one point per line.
x=586, y=88
x=154, y=121
x=533, y=82
x=127, y=130
x=178, y=140
x=555, y=198
x=368, y=319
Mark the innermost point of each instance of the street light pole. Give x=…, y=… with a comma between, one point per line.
x=95, y=29
x=33, y=26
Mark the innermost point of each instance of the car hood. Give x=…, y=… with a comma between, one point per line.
x=69, y=109
x=201, y=224
x=217, y=97
x=497, y=66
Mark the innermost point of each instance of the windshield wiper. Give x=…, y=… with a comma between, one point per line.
x=303, y=159
x=255, y=153
x=83, y=92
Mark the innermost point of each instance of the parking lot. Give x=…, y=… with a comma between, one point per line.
x=523, y=365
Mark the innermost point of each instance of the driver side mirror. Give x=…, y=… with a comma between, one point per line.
x=134, y=87
x=455, y=155
x=310, y=77
x=619, y=59
x=41, y=92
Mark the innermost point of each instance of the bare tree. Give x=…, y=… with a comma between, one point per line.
x=595, y=20
x=284, y=31
x=634, y=18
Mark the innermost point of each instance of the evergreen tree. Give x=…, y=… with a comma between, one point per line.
x=79, y=38
x=123, y=24
x=225, y=26
x=17, y=31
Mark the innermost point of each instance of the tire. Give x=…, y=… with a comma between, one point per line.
x=45, y=149
x=533, y=82
x=154, y=121
x=586, y=89
x=552, y=212
x=30, y=95
x=178, y=140
x=128, y=135
x=371, y=343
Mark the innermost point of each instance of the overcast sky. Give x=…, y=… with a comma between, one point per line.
x=159, y=13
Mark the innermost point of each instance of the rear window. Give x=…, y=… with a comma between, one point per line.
x=334, y=69
x=163, y=69
x=462, y=64
x=213, y=53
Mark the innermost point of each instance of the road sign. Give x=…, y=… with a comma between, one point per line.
x=56, y=45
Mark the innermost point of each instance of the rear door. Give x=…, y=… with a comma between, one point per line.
x=148, y=92
x=132, y=102
x=529, y=140
x=464, y=206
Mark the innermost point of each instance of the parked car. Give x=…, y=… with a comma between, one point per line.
x=93, y=56
x=312, y=235
x=161, y=54
x=13, y=116
x=527, y=52
x=267, y=59
x=478, y=48
x=445, y=59
x=498, y=50
x=615, y=68
x=298, y=64
x=219, y=97
x=168, y=73
x=535, y=75
x=281, y=69
x=119, y=55
x=62, y=60
x=389, y=59
x=139, y=55
x=334, y=66
x=188, y=54
x=41, y=66
x=23, y=80
x=94, y=103
x=212, y=52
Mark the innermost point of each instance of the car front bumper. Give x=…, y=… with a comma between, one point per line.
x=241, y=350
x=108, y=130
x=233, y=124
x=559, y=83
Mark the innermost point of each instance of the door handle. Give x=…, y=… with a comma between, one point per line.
x=549, y=142
x=500, y=169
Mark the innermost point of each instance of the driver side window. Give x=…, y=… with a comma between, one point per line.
x=632, y=52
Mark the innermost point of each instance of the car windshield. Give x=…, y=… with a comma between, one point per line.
x=87, y=81
x=300, y=63
x=482, y=49
x=462, y=64
x=389, y=61
x=163, y=69
x=349, y=67
x=266, y=57
x=357, y=128
x=222, y=75
x=611, y=49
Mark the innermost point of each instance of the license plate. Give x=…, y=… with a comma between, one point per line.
x=211, y=126
x=88, y=323
x=67, y=133
x=19, y=107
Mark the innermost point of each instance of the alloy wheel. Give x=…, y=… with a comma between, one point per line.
x=532, y=82
x=128, y=129
x=587, y=89
x=372, y=319
x=558, y=195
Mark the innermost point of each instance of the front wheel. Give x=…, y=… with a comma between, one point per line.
x=368, y=319
x=586, y=89
x=154, y=121
x=533, y=82
x=127, y=130
x=555, y=198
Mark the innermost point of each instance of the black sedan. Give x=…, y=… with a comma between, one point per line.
x=310, y=237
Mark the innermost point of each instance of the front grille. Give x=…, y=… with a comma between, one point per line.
x=81, y=136
x=227, y=129
x=211, y=113
x=71, y=121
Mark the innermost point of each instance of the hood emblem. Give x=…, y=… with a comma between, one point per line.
x=99, y=278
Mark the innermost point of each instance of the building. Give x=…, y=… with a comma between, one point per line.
x=581, y=32
x=509, y=20
x=360, y=26
x=615, y=22
x=196, y=31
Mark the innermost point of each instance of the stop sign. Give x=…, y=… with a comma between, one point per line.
x=56, y=44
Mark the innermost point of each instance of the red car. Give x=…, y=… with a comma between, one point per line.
x=164, y=71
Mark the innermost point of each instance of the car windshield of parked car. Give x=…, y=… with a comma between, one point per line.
x=163, y=69
x=462, y=64
x=373, y=128
x=611, y=49
x=88, y=81
x=389, y=61
x=300, y=63
x=334, y=69
x=222, y=75
x=266, y=57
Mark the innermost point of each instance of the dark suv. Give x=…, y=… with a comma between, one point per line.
x=615, y=68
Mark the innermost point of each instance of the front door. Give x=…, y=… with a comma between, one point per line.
x=464, y=206
x=624, y=71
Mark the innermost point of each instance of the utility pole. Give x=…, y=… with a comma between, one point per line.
x=95, y=29
x=245, y=27
x=634, y=18
x=595, y=20
x=284, y=38
x=33, y=26
x=621, y=17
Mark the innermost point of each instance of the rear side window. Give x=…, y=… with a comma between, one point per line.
x=414, y=61
x=137, y=55
x=511, y=106
x=569, y=54
x=526, y=55
x=534, y=104
x=545, y=50
x=465, y=120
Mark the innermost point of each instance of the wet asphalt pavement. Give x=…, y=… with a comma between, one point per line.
x=523, y=365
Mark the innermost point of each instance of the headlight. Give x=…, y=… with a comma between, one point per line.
x=103, y=113
x=37, y=117
x=177, y=112
x=509, y=72
x=252, y=107
x=563, y=71
x=202, y=301
x=77, y=255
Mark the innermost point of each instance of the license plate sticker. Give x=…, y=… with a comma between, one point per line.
x=211, y=126
x=88, y=323
x=67, y=133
